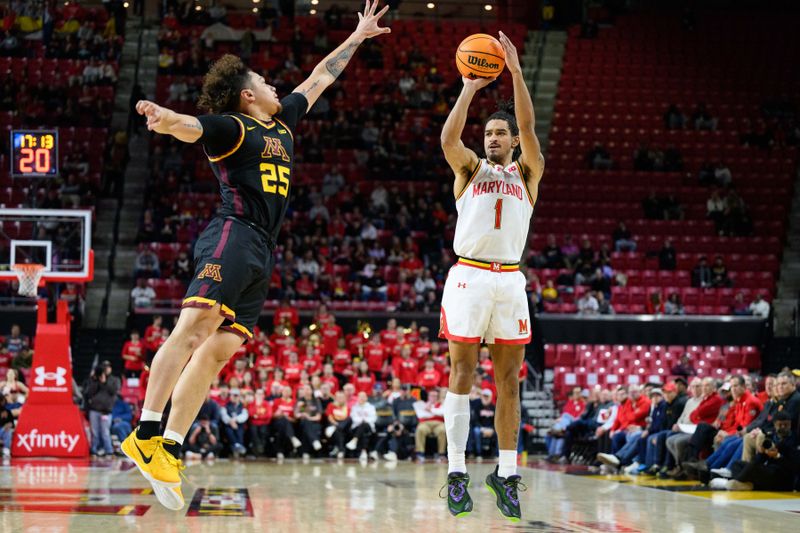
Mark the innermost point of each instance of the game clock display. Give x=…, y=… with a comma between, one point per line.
x=34, y=153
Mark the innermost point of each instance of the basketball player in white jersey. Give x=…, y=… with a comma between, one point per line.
x=484, y=296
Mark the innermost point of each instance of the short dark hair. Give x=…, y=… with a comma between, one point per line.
x=782, y=416
x=223, y=84
x=739, y=380
x=681, y=381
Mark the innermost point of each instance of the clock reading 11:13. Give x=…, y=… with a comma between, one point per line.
x=34, y=153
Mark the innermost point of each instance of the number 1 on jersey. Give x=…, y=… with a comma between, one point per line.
x=498, y=213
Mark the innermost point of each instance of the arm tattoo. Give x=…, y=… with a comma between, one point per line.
x=337, y=63
x=313, y=86
x=196, y=125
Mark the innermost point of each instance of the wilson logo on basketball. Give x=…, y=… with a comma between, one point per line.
x=482, y=63
x=523, y=326
x=211, y=271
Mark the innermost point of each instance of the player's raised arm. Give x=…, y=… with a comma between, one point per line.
x=185, y=128
x=326, y=72
x=460, y=158
x=531, y=159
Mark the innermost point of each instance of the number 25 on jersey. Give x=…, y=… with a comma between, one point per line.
x=275, y=179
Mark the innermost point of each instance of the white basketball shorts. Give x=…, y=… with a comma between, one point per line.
x=485, y=302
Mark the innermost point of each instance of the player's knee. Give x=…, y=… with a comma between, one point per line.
x=507, y=385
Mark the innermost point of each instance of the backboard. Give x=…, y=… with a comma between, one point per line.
x=59, y=239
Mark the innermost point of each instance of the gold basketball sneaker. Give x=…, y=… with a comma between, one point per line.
x=158, y=466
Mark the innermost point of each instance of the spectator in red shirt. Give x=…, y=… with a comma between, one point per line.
x=282, y=426
x=404, y=367
x=338, y=416
x=311, y=361
x=709, y=406
x=331, y=333
x=769, y=389
x=329, y=378
x=350, y=394
x=152, y=334
x=629, y=424
x=277, y=379
x=265, y=360
x=260, y=417
x=423, y=348
x=133, y=354
x=342, y=359
x=363, y=380
x=222, y=396
x=389, y=335
x=304, y=287
x=286, y=314
x=429, y=378
x=375, y=354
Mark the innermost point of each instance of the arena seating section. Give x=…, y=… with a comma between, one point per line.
x=614, y=90
x=588, y=365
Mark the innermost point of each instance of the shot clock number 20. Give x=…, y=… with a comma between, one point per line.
x=34, y=153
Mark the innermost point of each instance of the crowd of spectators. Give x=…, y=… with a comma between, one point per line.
x=726, y=434
x=317, y=392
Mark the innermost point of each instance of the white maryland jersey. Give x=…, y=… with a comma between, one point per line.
x=494, y=213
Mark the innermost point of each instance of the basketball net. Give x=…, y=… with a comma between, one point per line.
x=29, y=276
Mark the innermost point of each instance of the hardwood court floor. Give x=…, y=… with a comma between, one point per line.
x=320, y=497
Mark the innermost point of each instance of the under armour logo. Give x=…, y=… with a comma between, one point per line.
x=57, y=376
x=496, y=267
x=462, y=285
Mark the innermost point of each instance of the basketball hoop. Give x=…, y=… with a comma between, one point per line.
x=29, y=276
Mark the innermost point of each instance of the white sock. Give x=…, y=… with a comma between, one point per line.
x=508, y=463
x=150, y=416
x=456, y=423
x=173, y=435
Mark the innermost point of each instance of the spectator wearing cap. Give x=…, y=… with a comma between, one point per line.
x=787, y=399
x=363, y=417
x=260, y=417
x=483, y=415
x=234, y=415
x=308, y=413
x=282, y=426
x=430, y=416
x=655, y=446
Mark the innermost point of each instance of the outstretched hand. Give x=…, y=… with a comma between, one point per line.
x=155, y=115
x=512, y=59
x=368, y=21
x=477, y=84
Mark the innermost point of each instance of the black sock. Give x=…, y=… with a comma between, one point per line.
x=173, y=448
x=149, y=429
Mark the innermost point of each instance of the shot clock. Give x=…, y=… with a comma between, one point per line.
x=34, y=153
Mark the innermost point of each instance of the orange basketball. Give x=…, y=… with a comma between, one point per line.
x=480, y=56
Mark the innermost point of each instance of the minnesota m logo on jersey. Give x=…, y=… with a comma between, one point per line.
x=274, y=148
x=211, y=271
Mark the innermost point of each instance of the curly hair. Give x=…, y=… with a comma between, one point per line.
x=505, y=111
x=222, y=85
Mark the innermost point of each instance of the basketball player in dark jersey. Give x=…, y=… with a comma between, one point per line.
x=249, y=141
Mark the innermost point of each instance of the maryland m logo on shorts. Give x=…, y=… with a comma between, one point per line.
x=523, y=326
x=211, y=271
